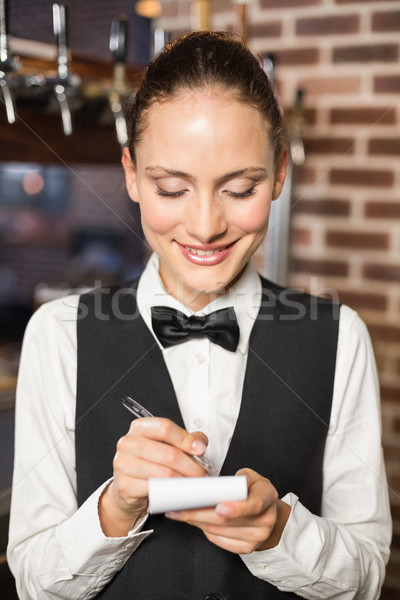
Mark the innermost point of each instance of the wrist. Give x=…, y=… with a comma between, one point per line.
x=114, y=520
x=282, y=516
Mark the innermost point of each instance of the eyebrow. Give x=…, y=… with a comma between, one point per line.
x=260, y=172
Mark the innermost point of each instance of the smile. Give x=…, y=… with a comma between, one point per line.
x=204, y=252
x=208, y=256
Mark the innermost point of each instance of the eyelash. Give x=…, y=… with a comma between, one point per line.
x=165, y=194
x=246, y=194
x=177, y=194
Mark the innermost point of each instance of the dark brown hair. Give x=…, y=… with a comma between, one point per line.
x=202, y=59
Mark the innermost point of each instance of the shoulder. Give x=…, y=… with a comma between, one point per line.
x=296, y=305
x=57, y=314
x=354, y=336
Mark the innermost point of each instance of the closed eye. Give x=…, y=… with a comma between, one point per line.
x=245, y=194
x=165, y=194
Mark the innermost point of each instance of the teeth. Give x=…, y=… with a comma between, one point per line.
x=204, y=252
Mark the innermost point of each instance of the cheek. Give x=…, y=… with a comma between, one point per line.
x=254, y=219
x=157, y=219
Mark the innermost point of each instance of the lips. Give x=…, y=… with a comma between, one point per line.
x=206, y=255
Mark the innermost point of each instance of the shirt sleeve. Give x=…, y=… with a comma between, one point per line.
x=343, y=553
x=55, y=550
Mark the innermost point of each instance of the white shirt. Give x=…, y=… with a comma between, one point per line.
x=59, y=551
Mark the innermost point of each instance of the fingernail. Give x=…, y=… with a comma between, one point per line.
x=173, y=515
x=199, y=446
x=223, y=510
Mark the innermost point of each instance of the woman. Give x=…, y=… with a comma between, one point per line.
x=289, y=399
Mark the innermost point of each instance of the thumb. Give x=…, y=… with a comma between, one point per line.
x=199, y=443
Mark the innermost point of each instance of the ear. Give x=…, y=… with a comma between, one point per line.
x=280, y=174
x=130, y=175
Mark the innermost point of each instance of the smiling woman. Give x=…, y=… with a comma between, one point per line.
x=205, y=210
x=268, y=383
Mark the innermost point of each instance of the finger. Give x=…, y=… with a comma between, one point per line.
x=235, y=546
x=172, y=461
x=251, y=535
x=261, y=495
x=169, y=432
x=205, y=518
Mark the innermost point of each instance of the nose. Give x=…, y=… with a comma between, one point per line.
x=206, y=219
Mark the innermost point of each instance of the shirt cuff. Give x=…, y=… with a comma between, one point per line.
x=87, y=551
x=291, y=564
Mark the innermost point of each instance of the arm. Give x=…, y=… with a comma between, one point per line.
x=343, y=553
x=54, y=547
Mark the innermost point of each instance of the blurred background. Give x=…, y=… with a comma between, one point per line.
x=67, y=74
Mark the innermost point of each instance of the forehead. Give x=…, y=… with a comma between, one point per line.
x=208, y=120
x=208, y=95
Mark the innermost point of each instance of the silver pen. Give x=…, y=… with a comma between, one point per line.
x=139, y=411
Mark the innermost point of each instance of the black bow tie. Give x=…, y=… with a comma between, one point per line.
x=173, y=327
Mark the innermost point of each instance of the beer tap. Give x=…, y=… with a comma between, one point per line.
x=8, y=63
x=118, y=48
x=64, y=80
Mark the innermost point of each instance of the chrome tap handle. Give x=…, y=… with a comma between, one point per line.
x=62, y=82
x=60, y=32
x=4, y=31
x=62, y=100
x=8, y=101
x=118, y=38
x=118, y=48
x=7, y=63
x=269, y=66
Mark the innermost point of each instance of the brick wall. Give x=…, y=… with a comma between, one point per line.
x=345, y=227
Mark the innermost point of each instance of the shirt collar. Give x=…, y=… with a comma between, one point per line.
x=244, y=296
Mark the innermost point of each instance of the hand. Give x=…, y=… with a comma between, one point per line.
x=243, y=526
x=153, y=447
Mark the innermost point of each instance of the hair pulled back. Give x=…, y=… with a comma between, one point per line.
x=206, y=59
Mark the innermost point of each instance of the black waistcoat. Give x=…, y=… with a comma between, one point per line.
x=280, y=432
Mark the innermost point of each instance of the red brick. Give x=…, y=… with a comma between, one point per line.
x=268, y=30
x=391, y=334
x=362, y=300
x=288, y=3
x=366, y=115
x=392, y=453
x=298, y=56
x=359, y=177
x=330, y=85
x=382, y=210
x=218, y=6
x=320, y=267
x=386, y=21
x=387, y=392
x=301, y=236
x=305, y=175
x=329, y=145
x=333, y=24
x=384, y=146
x=357, y=239
x=382, y=272
x=387, y=84
x=325, y=207
x=366, y=53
